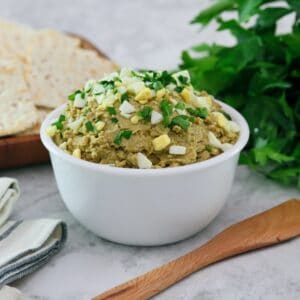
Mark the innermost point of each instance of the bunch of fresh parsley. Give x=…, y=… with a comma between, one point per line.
x=260, y=76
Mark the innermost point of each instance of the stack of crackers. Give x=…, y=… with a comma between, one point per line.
x=38, y=70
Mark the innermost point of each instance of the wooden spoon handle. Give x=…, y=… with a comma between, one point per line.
x=270, y=227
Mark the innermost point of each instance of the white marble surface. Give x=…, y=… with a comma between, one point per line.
x=145, y=34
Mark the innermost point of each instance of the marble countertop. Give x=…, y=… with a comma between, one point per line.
x=145, y=34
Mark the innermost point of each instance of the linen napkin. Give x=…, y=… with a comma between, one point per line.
x=9, y=193
x=24, y=245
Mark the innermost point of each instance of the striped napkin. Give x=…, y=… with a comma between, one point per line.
x=24, y=245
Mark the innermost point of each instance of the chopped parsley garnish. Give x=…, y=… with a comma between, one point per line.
x=108, y=84
x=183, y=80
x=208, y=148
x=117, y=79
x=89, y=126
x=181, y=121
x=58, y=123
x=136, y=74
x=111, y=110
x=198, y=112
x=124, y=97
x=156, y=85
x=192, y=119
x=145, y=113
x=72, y=96
x=179, y=89
x=88, y=86
x=167, y=109
x=122, y=134
x=180, y=105
x=114, y=120
x=157, y=80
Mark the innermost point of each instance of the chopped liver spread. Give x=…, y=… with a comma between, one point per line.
x=143, y=119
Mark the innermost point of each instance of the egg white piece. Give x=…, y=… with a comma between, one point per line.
x=177, y=150
x=127, y=108
x=78, y=101
x=156, y=117
x=143, y=161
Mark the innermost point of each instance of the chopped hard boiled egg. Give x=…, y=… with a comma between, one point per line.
x=135, y=119
x=234, y=127
x=177, y=150
x=126, y=116
x=221, y=120
x=160, y=94
x=143, y=96
x=63, y=146
x=182, y=76
x=156, y=117
x=77, y=153
x=213, y=141
x=78, y=101
x=136, y=87
x=143, y=161
x=126, y=108
x=100, y=125
x=202, y=102
x=186, y=95
x=75, y=124
x=181, y=112
x=122, y=89
x=51, y=131
x=161, y=142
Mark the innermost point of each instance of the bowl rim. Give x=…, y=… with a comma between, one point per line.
x=237, y=147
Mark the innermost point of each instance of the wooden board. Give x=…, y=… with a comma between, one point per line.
x=19, y=151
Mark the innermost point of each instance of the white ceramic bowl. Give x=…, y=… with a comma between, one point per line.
x=145, y=207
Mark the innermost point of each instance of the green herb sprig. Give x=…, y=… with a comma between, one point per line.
x=259, y=76
x=122, y=134
x=167, y=109
x=111, y=110
x=198, y=112
x=59, y=122
x=145, y=113
x=73, y=95
x=181, y=121
x=89, y=126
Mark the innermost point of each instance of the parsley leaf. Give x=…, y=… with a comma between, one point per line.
x=124, y=97
x=59, y=122
x=258, y=76
x=108, y=84
x=179, y=89
x=111, y=110
x=89, y=126
x=72, y=96
x=145, y=113
x=167, y=109
x=114, y=120
x=157, y=80
x=122, y=134
x=180, y=105
x=183, y=79
x=181, y=121
x=198, y=112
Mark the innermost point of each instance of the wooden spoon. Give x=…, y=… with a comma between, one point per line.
x=270, y=227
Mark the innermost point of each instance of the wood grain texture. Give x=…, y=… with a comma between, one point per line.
x=271, y=227
x=19, y=151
